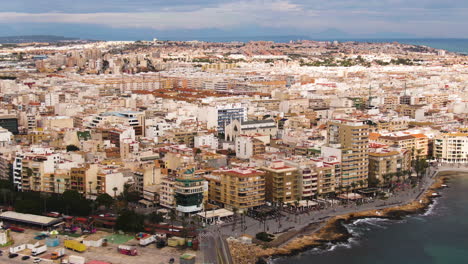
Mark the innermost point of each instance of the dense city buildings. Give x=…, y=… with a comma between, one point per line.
x=198, y=135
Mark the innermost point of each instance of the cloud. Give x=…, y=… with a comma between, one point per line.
x=420, y=17
x=222, y=16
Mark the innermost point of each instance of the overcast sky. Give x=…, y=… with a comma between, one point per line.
x=418, y=18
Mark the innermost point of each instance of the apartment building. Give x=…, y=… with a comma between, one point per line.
x=384, y=160
x=167, y=193
x=451, y=147
x=189, y=191
x=308, y=177
x=281, y=182
x=248, y=146
x=240, y=188
x=417, y=144
x=347, y=140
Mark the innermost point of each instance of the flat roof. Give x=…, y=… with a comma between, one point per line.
x=29, y=218
x=216, y=213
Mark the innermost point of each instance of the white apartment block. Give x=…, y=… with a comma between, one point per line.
x=451, y=147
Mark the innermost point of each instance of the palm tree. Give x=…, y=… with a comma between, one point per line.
x=172, y=217
x=348, y=187
x=115, y=189
x=296, y=207
x=234, y=211
x=360, y=183
x=67, y=184
x=58, y=185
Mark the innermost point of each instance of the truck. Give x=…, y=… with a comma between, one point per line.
x=127, y=250
x=58, y=253
x=76, y=260
x=147, y=240
x=74, y=245
x=38, y=250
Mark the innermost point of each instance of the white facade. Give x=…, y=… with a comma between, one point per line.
x=51, y=99
x=5, y=137
x=206, y=140
x=166, y=195
x=244, y=147
x=452, y=148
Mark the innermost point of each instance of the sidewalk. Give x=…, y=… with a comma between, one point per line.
x=301, y=220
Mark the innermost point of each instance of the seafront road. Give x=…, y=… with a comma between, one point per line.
x=292, y=222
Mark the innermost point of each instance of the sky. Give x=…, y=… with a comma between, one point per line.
x=145, y=19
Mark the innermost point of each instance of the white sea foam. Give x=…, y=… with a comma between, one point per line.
x=430, y=210
x=375, y=222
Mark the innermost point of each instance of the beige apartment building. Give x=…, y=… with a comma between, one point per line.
x=348, y=140
x=385, y=161
x=239, y=188
x=417, y=144
x=282, y=183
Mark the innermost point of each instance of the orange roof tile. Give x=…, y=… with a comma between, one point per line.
x=374, y=136
x=419, y=135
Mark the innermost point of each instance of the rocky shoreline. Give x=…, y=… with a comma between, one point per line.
x=333, y=230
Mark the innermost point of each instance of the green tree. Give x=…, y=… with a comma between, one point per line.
x=264, y=236
x=155, y=218
x=71, y=148
x=129, y=221
x=105, y=200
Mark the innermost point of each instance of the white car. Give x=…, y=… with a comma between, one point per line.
x=37, y=260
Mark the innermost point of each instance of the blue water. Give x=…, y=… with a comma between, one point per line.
x=437, y=237
x=453, y=45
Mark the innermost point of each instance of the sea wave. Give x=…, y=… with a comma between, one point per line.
x=431, y=209
x=374, y=222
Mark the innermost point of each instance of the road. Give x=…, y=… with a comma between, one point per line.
x=214, y=247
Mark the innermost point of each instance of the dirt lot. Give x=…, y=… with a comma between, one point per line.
x=146, y=255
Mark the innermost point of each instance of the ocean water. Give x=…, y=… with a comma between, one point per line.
x=452, y=44
x=440, y=236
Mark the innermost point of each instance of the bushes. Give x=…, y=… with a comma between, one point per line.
x=129, y=221
x=264, y=236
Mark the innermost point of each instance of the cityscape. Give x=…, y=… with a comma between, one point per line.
x=257, y=151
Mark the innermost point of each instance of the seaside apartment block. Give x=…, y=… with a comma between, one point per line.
x=282, y=183
x=240, y=188
x=451, y=147
x=348, y=141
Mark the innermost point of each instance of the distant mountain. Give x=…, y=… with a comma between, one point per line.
x=35, y=38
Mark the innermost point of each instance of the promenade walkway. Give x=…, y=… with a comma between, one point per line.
x=213, y=246
x=301, y=220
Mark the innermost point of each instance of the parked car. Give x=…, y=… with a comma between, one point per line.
x=25, y=257
x=13, y=255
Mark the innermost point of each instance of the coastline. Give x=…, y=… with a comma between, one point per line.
x=333, y=230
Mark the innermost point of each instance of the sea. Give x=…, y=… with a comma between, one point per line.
x=439, y=236
x=459, y=45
